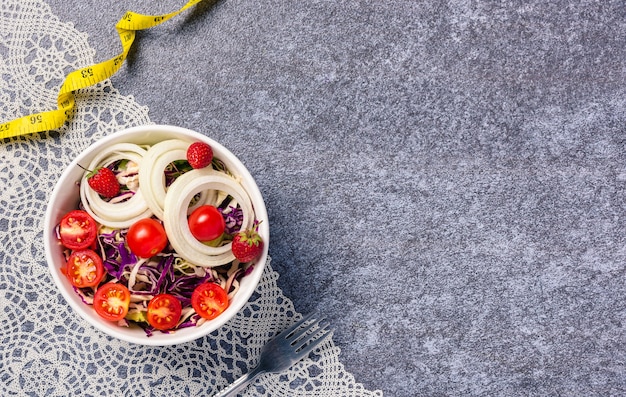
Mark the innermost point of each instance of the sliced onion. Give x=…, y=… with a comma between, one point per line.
x=176, y=206
x=152, y=172
x=117, y=148
x=115, y=214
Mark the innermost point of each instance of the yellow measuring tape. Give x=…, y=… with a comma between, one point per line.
x=87, y=76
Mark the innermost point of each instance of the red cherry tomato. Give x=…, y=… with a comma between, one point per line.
x=77, y=230
x=209, y=300
x=111, y=301
x=164, y=311
x=206, y=223
x=146, y=238
x=84, y=268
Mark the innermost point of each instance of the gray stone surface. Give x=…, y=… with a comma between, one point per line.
x=445, y=180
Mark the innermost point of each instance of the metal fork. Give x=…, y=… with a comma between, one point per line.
x=284, y=350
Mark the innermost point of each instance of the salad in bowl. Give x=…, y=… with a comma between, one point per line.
x=156, y=235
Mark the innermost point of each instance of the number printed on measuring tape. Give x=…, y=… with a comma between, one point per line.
x=86, y=73
x=87, y=76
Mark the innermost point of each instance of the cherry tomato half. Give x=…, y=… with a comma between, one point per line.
x=164, y=311
x=111, y=301
x=209, y=300
x=84, y=268
x=77, y=230
x=206, y=223
x=146, y=238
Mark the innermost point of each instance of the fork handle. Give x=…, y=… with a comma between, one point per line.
x=240, y=383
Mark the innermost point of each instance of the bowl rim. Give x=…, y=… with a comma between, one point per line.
x=147, y=134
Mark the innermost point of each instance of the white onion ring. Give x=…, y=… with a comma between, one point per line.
x=151, y=177
x=176, y=206
x=115, y=215
x=151, y=172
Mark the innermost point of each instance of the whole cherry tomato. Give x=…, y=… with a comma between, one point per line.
x=146, y=238
x=206, y=223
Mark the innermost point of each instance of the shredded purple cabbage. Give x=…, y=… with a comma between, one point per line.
x=233, y=219
x=116, y=256
x=248, y=270
x=191, y=321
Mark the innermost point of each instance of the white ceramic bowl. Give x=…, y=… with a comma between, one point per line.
x=65, y=197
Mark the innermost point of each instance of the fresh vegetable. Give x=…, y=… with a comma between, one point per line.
x=199, y=155
x=103, y=181
x=111, y=301
x=233, y=217
x=164, y=311
x=209, y=300
x=247, y=245
x=154, y=164
x=146, y=238
x=77, y=230
x=206, y=223
x=84, y=268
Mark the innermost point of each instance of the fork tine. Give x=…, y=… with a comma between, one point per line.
x=287, y=333
x=305, y=336
x=303, y=331
x=314, y=341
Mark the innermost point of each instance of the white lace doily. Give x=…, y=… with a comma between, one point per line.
x=46, y=350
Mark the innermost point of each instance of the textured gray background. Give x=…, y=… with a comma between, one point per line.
x=445, y=179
